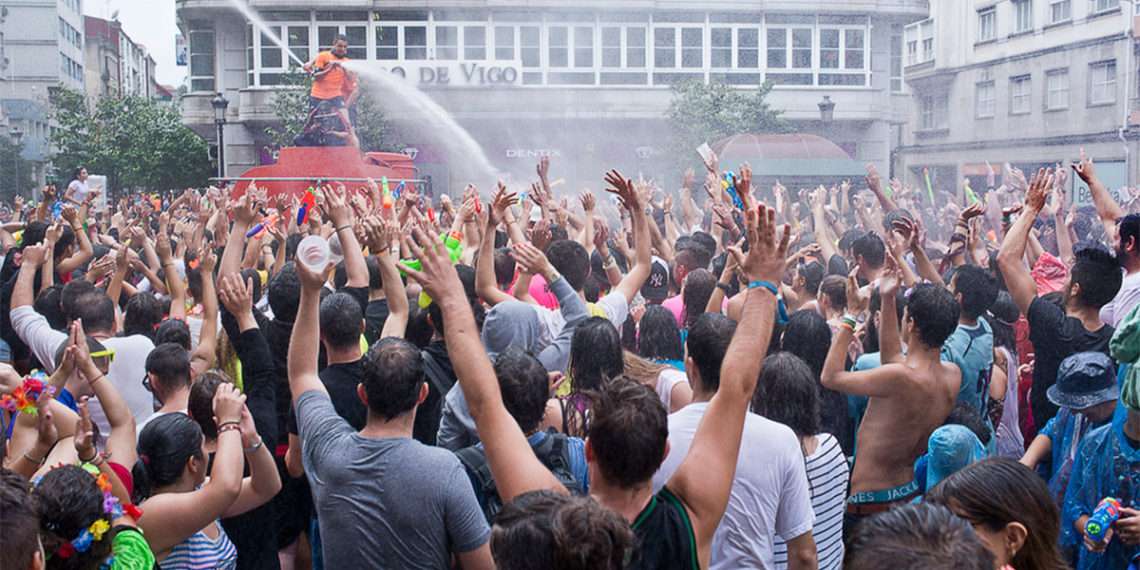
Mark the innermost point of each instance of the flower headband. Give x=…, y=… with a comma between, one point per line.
x=23, y=398
x=94, y=533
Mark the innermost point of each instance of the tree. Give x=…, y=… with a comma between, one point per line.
x=134, y=141
x=291, y=106
x=15, y=172
x=702, y=112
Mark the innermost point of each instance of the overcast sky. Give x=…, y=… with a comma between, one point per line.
x=150, y=23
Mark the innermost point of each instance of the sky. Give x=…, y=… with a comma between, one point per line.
x=150, y=23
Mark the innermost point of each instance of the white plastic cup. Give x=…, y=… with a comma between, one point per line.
x=313, y=252
x=335, y=249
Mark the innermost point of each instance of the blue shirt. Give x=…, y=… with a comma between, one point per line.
x=1106, y=466
x=972, y=349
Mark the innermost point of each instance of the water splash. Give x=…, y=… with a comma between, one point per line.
x=465, y=154
x=264, y=28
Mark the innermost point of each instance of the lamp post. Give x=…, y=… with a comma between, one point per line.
x=826, y=109
x=219, y=103
x=17, y=135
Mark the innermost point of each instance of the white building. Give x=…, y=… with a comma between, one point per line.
x=534, y=77
x=116, y=65
x=1022, y=81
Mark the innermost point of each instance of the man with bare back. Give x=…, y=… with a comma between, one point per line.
x=910, y=395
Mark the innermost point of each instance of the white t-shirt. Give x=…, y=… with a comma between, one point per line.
x=78, y=190
x=828, y=474
x=126, y=372
x=1127, y=298
x=666, y=381
x=154, y=416
x=613, y=307
x=769, y=497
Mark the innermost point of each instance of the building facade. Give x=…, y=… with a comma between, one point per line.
x=43, y=46
x=116, y=65
x=1027, y=82
x=532, y=78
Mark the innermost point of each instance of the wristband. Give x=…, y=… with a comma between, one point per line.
x=231, y=426
x=849, y=321
x=29, y=459
x=223, y=425
x=724, y=287
x=254, y=447
x=765, y=285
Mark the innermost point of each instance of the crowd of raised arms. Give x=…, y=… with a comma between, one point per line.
x=720, y=376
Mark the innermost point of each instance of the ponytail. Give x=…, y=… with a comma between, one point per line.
x=165, y=445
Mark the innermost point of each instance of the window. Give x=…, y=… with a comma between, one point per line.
x=987, y=24
x=1022, y=16
x=777, y=48
x=747, y=48
x=853, y=45
x=1099, y=6
x=558, y=47
x=299, y=41
x=635, y=50
x=201, y=56
x=934, y=110
x=387, y=42
x=801, y=48
x=1020, y=94
x=530, y=48
x=984, y=99
x=829, y=49
x=611, y=47
x=920, y=42
x=1060, y=11
x=896, y=59
x=415, y=43
x=665, y=47
x=1057, y=89
x=271, y=54
x=474, y=43
x=504, y=43
x=721, y=47
x=692, y=47
x=583, y=46
x=446, y=42
x=912, y=52
x=1102, y=82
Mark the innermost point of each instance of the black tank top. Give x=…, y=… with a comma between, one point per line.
x=665, y=537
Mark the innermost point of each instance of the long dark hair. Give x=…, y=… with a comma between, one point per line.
x=595, y=354
x=787, y=394
x=68, y=501
x=998, y=491
x=165, y=445
x=659, y=338
x=1002, y=318
x=807, y=336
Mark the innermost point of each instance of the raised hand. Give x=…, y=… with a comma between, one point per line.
x=1084, y=168
x=235, y=294
x=540, y=234
x=874, y=181
x=84, y=433
x=244, y=209
x=766, y=256
x=228, y=404
x=601, y=235
x=688, y=179
x=35, y=255
x=436, y=275
x=973, y=211
x=624, y=189
x=588, y=201
x=857, y=301
x=890, y=278
x=336, y=205
x=1039, y=188
x=744, y=185
x=531, y=259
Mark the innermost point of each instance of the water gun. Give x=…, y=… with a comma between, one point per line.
x=308, y=202
x=1106, y=513
x=970, y=195
x=454, y=243
x=398, y=191
x=268, y=222
x=386, y=194
x=729, y=184
x=929, y=186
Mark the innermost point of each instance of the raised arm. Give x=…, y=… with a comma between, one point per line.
x=174, y=282
x=875, y=382
x=203, y=358
x=263, y=481
x=1106, y=208
x=704, y=479
x=875, y=184
x=1017, y=278
x=381, y=235
x=513, y=464
x=342, y=218
x=245, y=213
x=305, y=342
x=85, y=252
x=486, y=285
x=624, y=189
x=121, y=441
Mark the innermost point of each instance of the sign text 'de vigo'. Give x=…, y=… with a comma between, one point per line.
x=458, y=74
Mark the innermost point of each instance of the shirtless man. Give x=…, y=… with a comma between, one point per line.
x=909, y=395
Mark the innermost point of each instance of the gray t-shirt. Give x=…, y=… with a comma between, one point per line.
x=385, y=503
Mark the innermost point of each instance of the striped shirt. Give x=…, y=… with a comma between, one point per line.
x=827, y=476
x=200, y=552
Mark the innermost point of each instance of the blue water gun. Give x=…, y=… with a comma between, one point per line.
x=729, y=184
x=1106, y=513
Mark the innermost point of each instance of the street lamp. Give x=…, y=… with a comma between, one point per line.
x=17, y=135
x=219, y=103
x=826, y=109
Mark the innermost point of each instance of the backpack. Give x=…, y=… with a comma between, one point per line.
x=553, y=452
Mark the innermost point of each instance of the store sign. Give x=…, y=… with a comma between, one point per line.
x=459, y=74
x=530, y=153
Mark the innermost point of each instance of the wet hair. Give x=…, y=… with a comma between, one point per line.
x=627, y=432
x=871, y=247
x=595, y=354
x=71, y=296
x=392, y=375
x=787, y=394
x=1098, y=274
x=68, y=500
x=813, y=274
x=964, y=415
x=934, y=312
x=340, y=38
x=143, y=314
x=524, y=385
x=342, y=320
x=97, y=311
x=165, y=444
x=200, y=405
x=849, y=237
x=689, y=258
x=998, y=491
x=48, y=304
x=66, y=240
x=173, y=331
x=707, y=344
x=285, y=293
x=544, y=530
x=570, y=260
x=593, y=288
x=170, y=362
x=1003, y=316
x=658, y=335
x=834, y=287
x=978, y=289
x=808, y=336
x=504, y=266
x=1128, y=228
x=699, y=286
x=837, y=266
x=20, y=523
x=917, y=536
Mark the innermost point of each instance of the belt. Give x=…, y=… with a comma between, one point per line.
x=871, y=502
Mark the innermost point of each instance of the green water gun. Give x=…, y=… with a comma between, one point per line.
x=452, y=241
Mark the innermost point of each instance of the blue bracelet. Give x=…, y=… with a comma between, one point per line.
x=765, y=284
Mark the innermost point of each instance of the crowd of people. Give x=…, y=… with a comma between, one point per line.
x=721, y=376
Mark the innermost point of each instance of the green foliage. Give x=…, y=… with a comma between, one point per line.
x=291, y=106
x=136, y=142
x=702, y=112
x=11, y=164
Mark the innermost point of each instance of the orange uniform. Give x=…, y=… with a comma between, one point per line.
x=332, y=84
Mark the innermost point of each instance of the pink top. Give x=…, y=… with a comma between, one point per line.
x=542, y=294
x=676, y=305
